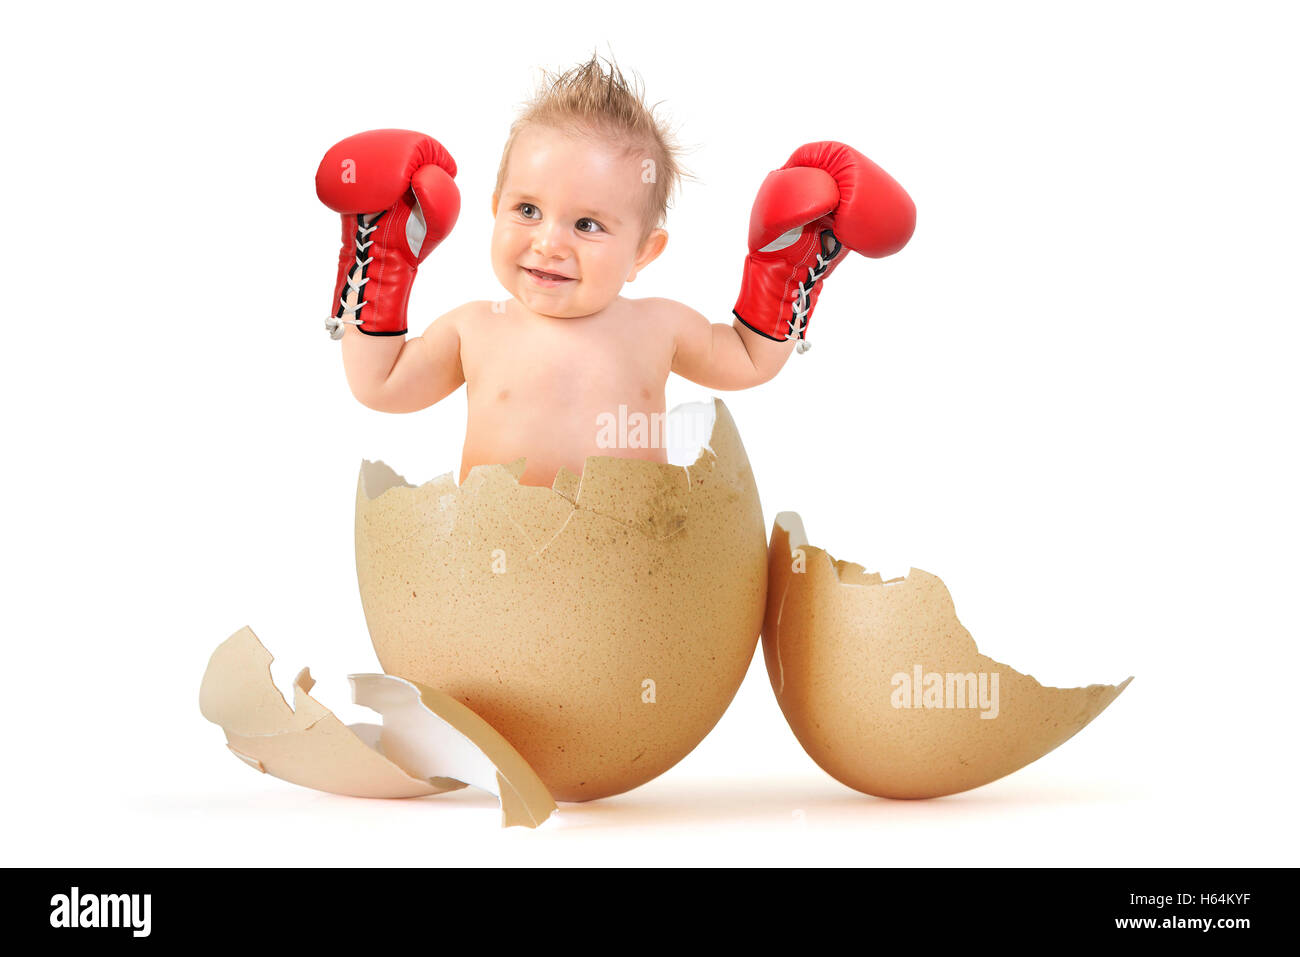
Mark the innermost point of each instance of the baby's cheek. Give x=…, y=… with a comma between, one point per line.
x=614, y=268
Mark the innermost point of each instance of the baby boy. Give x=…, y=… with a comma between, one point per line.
x=579, y=208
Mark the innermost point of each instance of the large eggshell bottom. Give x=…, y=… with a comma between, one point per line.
x=835, y=636
x=602, y=627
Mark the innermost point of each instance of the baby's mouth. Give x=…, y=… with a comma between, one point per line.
x=545, y=278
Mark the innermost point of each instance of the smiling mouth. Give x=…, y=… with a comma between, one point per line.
x=547, y=278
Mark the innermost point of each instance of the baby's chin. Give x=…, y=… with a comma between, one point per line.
x=554, y=310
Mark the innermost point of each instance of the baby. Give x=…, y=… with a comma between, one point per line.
x=579, y=208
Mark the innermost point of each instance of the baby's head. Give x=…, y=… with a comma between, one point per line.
x=581, y=194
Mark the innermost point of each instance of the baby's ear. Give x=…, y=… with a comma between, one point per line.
x=495, y=198
x=651, y=247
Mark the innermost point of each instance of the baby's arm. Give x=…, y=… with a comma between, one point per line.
x=721, y=356
x=395, y=194
x=393, y=374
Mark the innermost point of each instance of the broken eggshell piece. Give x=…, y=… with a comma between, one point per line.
x=429, y=743
x=601, y=625
x=887, y=691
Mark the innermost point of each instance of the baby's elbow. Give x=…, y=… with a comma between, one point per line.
x=738, y=384
x=374, y=399
x=371, y=391
x=730, y=383
x=757, y=375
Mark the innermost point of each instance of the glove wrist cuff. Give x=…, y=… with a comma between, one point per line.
x=762, y=298
x=778, y=294
x=374, y=279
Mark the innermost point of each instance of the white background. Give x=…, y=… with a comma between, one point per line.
x=1072, y=397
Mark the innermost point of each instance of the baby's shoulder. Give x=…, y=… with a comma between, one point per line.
x=469, y=314
x=460, y=321
x=656, y=307
x=479, y=307
x=677, y=317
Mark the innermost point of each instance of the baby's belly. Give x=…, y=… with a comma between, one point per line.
x=551, y=435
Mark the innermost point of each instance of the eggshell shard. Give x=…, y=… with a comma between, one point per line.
x=601, y=625
x=844, y=652
x=428, y=744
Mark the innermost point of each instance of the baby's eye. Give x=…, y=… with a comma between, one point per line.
x=529, y=211
x=586, y=225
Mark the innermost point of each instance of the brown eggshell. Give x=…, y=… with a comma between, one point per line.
x=429, y=742
x=602, y=626
x=836, y=639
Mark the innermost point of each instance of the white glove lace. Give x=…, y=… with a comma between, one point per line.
x=801, y=303
x=356, y=278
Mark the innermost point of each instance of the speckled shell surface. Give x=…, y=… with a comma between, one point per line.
x=835, y=637
x=602, y=626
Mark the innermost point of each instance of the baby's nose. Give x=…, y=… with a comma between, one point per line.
x=549, y=240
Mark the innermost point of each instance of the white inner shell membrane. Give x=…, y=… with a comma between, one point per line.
x=416, y=739
x=689, y=427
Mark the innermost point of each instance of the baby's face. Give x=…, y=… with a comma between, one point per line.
x=569, y=222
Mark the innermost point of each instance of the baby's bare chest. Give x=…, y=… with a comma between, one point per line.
x=565, y=360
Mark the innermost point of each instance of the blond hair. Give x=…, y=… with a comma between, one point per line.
x=589, y=99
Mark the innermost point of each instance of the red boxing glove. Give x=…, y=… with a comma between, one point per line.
x=827, y=198
x=395, y=191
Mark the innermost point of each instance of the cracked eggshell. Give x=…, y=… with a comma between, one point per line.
x=601, y=625
x=844, y=650
x=428, y=743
